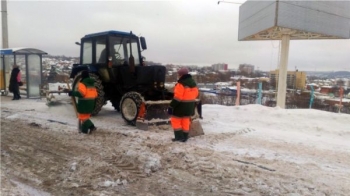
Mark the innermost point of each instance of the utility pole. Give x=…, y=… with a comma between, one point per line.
x=5, y=36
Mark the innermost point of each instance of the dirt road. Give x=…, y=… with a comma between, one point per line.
x=48, y=158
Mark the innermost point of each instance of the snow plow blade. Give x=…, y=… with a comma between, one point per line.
x=154, y=113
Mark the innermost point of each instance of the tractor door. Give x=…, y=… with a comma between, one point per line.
x=101, y=58
x=119, y=55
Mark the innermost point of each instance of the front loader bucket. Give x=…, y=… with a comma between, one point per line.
x=153, y=113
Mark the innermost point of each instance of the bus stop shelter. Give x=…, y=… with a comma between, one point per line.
x=29, y=61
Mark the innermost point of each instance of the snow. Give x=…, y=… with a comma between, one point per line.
x=30, y=190
x=326, y=86
x=305, y=137
x=308, y=127
x=294, y=125
x=205, y=89
x=55, y=86
x=312, y=84
x=344, y=100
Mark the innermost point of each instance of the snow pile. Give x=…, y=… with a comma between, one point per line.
x=150, y=161
x=302, y=126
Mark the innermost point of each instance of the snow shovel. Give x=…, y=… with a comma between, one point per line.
x=195, y=126
x=195, y=129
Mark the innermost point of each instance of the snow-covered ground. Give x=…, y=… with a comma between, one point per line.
x=246, y=150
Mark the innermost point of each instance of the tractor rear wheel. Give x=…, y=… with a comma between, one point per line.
x=100, y=100
x=130, y=106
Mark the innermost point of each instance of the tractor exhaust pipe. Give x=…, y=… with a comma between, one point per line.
x=131, y=58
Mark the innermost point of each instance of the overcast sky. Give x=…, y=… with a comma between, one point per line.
x=179, y=32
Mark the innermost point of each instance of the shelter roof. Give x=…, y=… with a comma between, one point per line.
x=22, y=50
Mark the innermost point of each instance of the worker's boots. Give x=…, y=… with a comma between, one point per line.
x=92, y=128
x=185, y=137
x=178, y=136
x=87, y=126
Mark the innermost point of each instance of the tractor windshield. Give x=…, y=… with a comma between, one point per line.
x=120, y=50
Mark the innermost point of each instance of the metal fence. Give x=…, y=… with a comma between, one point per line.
x=293, y=101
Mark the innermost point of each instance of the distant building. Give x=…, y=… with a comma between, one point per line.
x=246, y=68
x=219, y=66
x=326, y=90
x=295, y=79
x=314, y=86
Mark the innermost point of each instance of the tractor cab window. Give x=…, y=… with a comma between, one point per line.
x=101, y=53
x=135, y=52
x=118, y=54
x=120, y=51
x=87, y=52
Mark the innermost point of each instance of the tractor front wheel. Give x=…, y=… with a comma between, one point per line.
x=130, y=106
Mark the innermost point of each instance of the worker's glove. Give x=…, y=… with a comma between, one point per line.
x=70, y=93
x=170, y=111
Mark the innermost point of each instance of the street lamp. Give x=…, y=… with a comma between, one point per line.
x=228, y=2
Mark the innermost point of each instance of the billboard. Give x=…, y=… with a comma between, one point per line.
x=268, y=20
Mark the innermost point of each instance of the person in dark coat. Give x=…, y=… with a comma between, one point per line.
x=15, y=81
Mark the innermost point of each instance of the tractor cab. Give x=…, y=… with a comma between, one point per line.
x=111, y=48
x=113, y=55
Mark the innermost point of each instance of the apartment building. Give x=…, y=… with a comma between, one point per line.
x=246, y=68
x=219, y=66
x=295, y=79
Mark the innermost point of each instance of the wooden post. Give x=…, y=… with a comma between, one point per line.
x=238, y=93
x=341, y=92
x=260, y=93
x=311, y=96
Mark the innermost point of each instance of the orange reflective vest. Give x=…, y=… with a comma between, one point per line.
x=185, y=94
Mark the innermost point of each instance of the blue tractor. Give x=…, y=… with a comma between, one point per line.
x=113, y=59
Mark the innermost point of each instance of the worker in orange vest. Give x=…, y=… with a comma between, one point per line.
x=182, y=105
x=86, y=93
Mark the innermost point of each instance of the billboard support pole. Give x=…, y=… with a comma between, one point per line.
x=282, y=78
